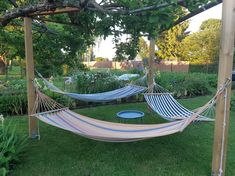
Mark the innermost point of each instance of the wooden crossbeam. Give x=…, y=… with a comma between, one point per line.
x=56, y=11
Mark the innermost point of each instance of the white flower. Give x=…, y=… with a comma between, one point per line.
x=1, y=119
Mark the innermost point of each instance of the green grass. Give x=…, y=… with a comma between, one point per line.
x=60, y=153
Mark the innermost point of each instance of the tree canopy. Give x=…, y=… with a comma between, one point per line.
x=202, y=47
x=169, y=42
x=61, y=38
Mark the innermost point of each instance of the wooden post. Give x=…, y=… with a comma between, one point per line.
x=225, y=71
x=33, y=131
x=150, y=64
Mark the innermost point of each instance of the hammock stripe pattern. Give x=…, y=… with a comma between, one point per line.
x=124, y=92
x=108, y=131
x=168, y=108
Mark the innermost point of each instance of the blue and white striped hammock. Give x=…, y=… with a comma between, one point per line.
x=123, y=92
x=168, y=108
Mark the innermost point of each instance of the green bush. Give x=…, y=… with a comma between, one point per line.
x=13, y=99
x=12, y=104
x=187, y=84
x=195, y=86
x=88, y=82
x=100, y=59
x=203, y=68
x=63, y=100
x=12, y=85
x=11, y=148
x=136, y=71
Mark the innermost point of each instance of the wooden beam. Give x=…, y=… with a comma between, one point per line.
x=150, y=75
x=33, y=131
x=225, y=72
x=56, y=11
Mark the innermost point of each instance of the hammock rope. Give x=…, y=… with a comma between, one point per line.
x=223, y=134
x=51, y=112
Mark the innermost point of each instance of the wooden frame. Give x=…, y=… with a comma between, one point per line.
x=54, y=12
x=225, y=71
x=31, y=96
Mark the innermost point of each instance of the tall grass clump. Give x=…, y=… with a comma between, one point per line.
x=11, y=148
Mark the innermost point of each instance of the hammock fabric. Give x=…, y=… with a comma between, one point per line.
x=124, y=92
x=168, y=108
x=49, y=111
x=108, y=131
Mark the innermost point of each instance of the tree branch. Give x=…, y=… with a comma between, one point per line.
x=155, y=7
x=13, y=2
x=197, y=11
x=112, y=8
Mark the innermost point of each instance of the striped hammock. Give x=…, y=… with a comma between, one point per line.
x=168, y=108
x=49, y=111
x=124, y=92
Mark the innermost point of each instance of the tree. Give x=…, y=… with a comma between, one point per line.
x=143, y=48
x=11, y=42
x=170, y=41
x=203, y=47
x=73, y=33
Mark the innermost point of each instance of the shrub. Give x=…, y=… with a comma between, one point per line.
x=136, y=71
x=212, y=79
x=203, y=68
x=63, y=100
x=11, y=148
x=88, y=82
x=186, y=84
x=11, y=104
x=13, y=85
x=100, y=59
x=195, y=86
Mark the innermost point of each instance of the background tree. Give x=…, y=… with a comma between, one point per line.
x=11, y=42
x=143, y=48
x=71, y=34
x=202, y=47
x=170, y=41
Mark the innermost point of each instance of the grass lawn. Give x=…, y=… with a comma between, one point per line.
x=60, y=153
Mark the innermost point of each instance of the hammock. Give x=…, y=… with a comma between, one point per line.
x=49, y=111
x=124, y=92
x=166, y=106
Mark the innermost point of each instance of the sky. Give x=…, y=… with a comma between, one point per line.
x=105, y=48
